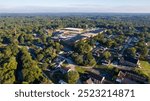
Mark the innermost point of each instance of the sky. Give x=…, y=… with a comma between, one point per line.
x=56, y=6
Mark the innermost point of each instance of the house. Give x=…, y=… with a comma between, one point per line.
x=96, y=52
x=105, y=81
x=88, y=81
x=130, y=78
x=92, y=78
x=123, y=79
x=105, y=62
x=62, y=82
x=135, y=40
x=129, y=61
x=59, y=60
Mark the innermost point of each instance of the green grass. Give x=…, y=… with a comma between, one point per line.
x=104, y=66
x=145, y=65
x=101, y=66
x=145, y=69
x=80, y=69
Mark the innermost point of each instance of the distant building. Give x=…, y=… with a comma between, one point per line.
x=97, y=30
x=88, y=35
x=67, y=31
x=78, y=30
x=73, y=35
x=74, y=39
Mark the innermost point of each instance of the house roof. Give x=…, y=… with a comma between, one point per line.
x=106, y=82
x=89, y=81
x=75, y=38
x=130, y=78
x=136, y=77
x=73, y=29
x=97, y=31
x=95, y=78
x=128, y=81
x=132, y=60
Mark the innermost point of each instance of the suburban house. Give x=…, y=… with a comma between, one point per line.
x=130, y=78
x=62, y=82
x=92, y=78
x=128, y=61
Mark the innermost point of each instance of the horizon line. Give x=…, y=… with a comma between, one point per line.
x=74, y=12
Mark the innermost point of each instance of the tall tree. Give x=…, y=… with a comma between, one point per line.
x=72, y=76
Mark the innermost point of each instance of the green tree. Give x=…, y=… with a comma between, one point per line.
x=72, y=77
x=107, y=55
x=21, y=39
x=83, y=47
x=7, y=74
x=144, y=52
x=131, y=52
x=44, y=66
x=7, y=52
x=7, y=77
x=50, y=52
x=11, y=64
x=31, y=72
x=78, y=58
x=89, y=60
x=40, y=57
x=109, y=43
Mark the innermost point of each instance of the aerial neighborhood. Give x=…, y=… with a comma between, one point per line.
x=75, y=50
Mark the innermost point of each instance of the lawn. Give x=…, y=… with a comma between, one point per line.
x=80, y=69
x=145, y=64
x=145, y=68
x=104, y=66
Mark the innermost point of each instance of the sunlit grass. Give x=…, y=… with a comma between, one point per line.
x=145, y=68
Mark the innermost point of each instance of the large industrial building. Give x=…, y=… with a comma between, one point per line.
x=72, y=35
